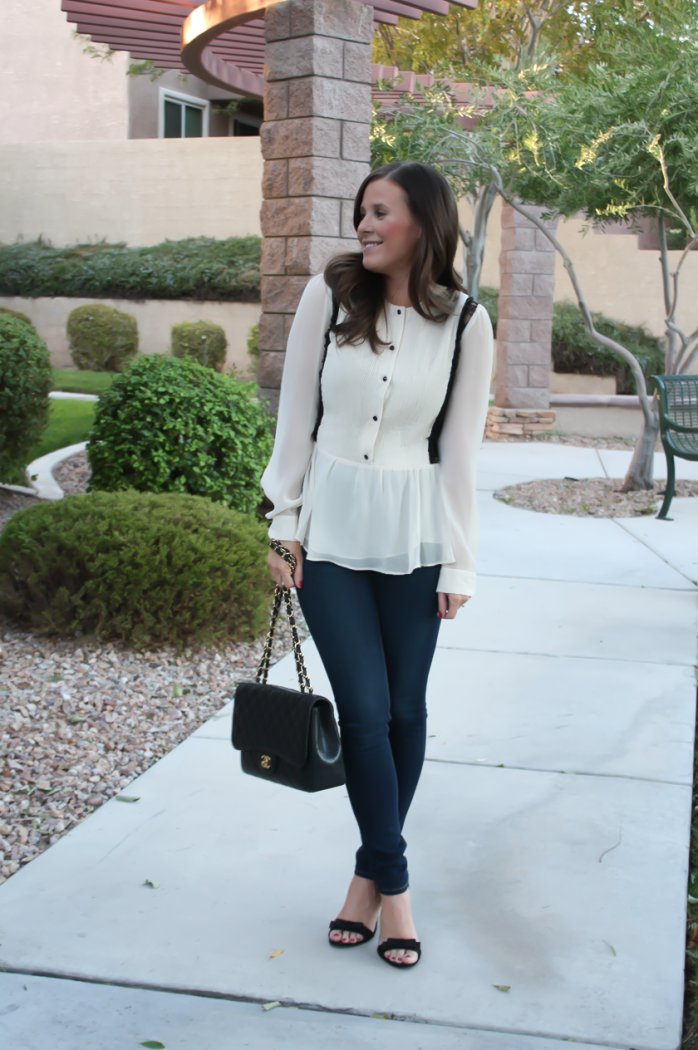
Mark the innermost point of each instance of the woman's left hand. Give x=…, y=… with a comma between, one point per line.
x=449, y=604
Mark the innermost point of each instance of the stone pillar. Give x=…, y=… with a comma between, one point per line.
x=525, y=325
x=315, y=143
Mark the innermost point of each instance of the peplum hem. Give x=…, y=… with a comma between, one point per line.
x=365, y=517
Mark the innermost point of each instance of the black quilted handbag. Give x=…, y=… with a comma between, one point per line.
x=288, y=737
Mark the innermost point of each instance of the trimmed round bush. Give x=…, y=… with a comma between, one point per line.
x=102, y=339
x=25, y=382
x=138, y=567
x=174, y=426
x=17, y=314
x=200, y=341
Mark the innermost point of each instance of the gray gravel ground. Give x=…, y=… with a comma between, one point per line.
x=79, y=719
x=73, y=474
x=589, y=497
x=11, y=502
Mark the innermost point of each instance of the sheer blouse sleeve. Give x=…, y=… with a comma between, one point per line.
x=282, y=481
x=461, y=437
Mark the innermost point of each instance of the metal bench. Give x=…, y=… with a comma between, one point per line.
x=678, y=422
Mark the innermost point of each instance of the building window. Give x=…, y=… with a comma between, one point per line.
x=246, y=125
x=182, y=116
x=238, y=116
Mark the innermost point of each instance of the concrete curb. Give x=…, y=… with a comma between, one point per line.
x=21, y=489
x=66, y=395
x=39, y=472
x=595, y=400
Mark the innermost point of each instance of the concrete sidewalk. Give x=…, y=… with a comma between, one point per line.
x=548, y=841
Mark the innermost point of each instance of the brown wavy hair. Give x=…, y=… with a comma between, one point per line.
x=433, y=282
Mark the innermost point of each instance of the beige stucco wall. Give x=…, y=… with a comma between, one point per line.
x=49, y=90
x=141, y=191
x=154, y=317
x=617, y=278
x=604, y=421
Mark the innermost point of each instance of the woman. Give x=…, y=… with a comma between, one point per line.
x=372, y=480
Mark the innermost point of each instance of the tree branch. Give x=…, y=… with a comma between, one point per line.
x=689, y=348
x=672, y=198
x=664, y=260
x=686, y=362
x=603, y=340
x=670, y=297
x=689, y=248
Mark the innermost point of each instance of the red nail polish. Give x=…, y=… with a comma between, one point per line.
x=300, y=585
x=440, y=615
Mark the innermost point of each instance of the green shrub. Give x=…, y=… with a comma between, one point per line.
x=174, y=426
x=17, y=314
x=135, y=566
x=102, y=339
x=195, y=268
x=201, y=341
x=253, y=345
x=574, y=351
x=25, y=382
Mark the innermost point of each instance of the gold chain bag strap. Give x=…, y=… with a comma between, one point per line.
x=283, y=735
x=284, y=594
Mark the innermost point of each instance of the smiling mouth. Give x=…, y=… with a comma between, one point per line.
x=370, y=244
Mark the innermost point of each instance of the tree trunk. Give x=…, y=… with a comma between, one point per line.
x=641, y=470
x=474, y=242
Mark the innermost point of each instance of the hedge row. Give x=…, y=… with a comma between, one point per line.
x=574, y=351
x=196, y=268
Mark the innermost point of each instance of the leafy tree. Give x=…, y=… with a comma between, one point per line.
x=499, y=32
x=480, y=46
x=621, y=142
x=512, y=34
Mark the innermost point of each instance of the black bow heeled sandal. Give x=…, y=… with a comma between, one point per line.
x=350, y=927
x=400, y=942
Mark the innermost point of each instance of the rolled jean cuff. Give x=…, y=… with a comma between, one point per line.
x=363, y=874
x=383, y=892
x=393, y=893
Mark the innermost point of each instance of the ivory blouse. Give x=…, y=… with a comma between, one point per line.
x=365, y=495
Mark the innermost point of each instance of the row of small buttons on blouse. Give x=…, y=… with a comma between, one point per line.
x=385, y=380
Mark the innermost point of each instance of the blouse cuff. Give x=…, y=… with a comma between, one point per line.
x=456, y=581
x=284, y=526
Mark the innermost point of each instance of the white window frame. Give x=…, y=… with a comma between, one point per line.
x=190, y=100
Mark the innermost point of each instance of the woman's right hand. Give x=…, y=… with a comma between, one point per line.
x=281, y=570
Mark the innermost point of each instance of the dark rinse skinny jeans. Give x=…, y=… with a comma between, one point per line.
x=376, y=635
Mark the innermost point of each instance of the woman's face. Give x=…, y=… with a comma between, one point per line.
x=388, y=230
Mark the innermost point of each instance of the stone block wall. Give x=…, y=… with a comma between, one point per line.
x=504, y=424
x=524, y=328
x=315, y=143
